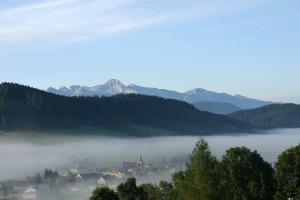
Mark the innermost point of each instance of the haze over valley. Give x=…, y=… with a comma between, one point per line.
x=24, y=155
x=149, y=100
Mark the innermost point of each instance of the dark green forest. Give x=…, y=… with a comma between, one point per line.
x=25, y=108
x=271, y=116
x=241, y=174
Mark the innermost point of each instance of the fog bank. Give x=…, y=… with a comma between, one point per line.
x=26, y=154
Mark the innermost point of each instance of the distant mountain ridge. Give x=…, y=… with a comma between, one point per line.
x=23, y=108
x=216, y=107
x=113, y=87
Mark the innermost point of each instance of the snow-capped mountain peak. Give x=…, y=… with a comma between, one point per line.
x=114, y=86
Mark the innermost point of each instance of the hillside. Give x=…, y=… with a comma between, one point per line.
x=113, y=87
x=271, y=116
x=25, y=108
x=216, y=107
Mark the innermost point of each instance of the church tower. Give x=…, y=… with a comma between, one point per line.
x=141, y=161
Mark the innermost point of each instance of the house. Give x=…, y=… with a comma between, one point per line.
x=101, y=182
x=30, y=194
x=78, y=177
x=116, y=174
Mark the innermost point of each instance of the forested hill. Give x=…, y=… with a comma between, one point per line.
x=271, y=116
x=217, y=107
x=26, y=108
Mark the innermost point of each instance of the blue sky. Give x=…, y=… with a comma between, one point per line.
x=248, y=47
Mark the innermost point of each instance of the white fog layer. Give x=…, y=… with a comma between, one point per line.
x=27, y=154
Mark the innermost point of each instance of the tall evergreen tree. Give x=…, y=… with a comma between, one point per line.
x=241, y=175
x=200, y=181
x=287, y=174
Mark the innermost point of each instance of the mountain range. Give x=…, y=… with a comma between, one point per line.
x=23, y=108
x=195, y=96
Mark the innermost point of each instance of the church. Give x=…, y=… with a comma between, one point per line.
x=131, y=167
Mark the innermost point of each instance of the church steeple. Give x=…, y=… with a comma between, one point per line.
x=141, y=161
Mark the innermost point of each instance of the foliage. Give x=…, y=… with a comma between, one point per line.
x=23, y=107
x=246, y=176
x=287, y=174
x=6, y=188
x=104, y=193
x=152, y=192
x=200, y=180
x=242, y=174
x=167, y=191
x=271, y=116
x=50, y=174
x=4, y=114
x=130, y=191
x=50, y=177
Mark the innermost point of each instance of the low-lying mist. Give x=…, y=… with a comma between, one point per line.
x=23, y=154
x=26, y=154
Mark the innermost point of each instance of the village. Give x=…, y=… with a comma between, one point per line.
x=79, y=182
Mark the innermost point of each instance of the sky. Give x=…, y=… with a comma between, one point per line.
x=247, y=47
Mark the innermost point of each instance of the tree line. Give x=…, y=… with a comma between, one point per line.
x=241, y=174
x=23, y=107
x=271, y=116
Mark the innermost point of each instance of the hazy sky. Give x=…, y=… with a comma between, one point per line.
x=248, y=47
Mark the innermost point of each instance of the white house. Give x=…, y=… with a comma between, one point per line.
x=101, y=182
x=30, y=194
